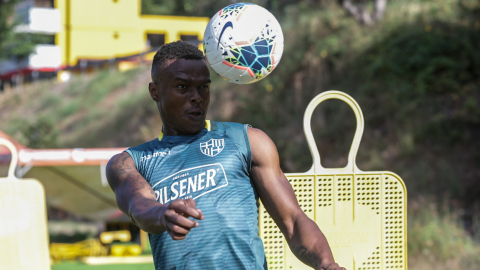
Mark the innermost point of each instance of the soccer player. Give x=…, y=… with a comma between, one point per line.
x=195, y=188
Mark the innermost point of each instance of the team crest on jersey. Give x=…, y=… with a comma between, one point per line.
x=213, y=147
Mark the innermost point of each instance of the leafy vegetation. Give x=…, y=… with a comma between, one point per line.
x=415, y=76
x=16, y=45
x=84, y=112
x=206, y=8
x=437, y=239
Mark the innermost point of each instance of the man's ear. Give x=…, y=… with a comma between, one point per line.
x=152, y=88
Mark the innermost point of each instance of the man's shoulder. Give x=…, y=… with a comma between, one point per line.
x=143, y=146
x=227, y=126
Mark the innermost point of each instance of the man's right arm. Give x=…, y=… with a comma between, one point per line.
x=136, y=198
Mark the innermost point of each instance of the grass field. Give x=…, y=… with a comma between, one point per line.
x=73, y=265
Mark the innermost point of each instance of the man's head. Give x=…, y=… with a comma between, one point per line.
x=181, y=88
x=171, y=51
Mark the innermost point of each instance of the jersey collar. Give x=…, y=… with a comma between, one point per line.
x=207, y=126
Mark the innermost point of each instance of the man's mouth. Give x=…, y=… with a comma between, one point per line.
x=195, y=114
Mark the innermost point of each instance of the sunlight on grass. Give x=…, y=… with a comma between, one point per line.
x=437, y=238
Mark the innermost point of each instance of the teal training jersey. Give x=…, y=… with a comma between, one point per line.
x=213, y=168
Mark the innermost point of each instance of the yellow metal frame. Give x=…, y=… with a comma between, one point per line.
x=88, y=247
x=157, y=32
x=89, y=26
x=362, y=214
x=23, y=220
x=109, y=237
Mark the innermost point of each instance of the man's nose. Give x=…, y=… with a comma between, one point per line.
x=195, y=96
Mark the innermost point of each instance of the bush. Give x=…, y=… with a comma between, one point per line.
x=437, y=239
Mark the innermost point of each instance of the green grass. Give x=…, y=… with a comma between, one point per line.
x=437, y=238
x=86, y=103
x=74, y=265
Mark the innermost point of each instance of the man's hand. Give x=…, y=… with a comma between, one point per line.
x=331, y=266
x=175, y=218
x=136, y=198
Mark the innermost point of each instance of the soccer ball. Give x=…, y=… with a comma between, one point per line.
x=243, y=43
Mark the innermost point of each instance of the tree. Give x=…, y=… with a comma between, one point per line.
x=357, y=8
x=205, y=8
x=13, y=45
x=6, y=24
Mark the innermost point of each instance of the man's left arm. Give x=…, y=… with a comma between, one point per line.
x=303, y=236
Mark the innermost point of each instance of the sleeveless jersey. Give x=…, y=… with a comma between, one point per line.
x=213, y=168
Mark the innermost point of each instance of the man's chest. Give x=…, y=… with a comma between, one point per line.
x=193, y=170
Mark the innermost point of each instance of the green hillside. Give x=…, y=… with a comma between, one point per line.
x=95, y=110
x=415, y=74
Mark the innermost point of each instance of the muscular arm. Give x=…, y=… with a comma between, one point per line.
x=136, y=198
x=304, y=237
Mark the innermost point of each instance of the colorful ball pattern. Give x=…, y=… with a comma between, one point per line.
x=243, y=43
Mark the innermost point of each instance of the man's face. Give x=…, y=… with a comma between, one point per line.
x=182, y=94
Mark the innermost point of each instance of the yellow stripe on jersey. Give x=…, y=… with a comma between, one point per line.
x=208, y=126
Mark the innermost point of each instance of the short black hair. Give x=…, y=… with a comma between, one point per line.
x=174, y=50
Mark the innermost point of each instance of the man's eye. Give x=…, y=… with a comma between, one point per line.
x=181, y=86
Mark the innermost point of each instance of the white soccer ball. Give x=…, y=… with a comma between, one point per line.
x=243, y=43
